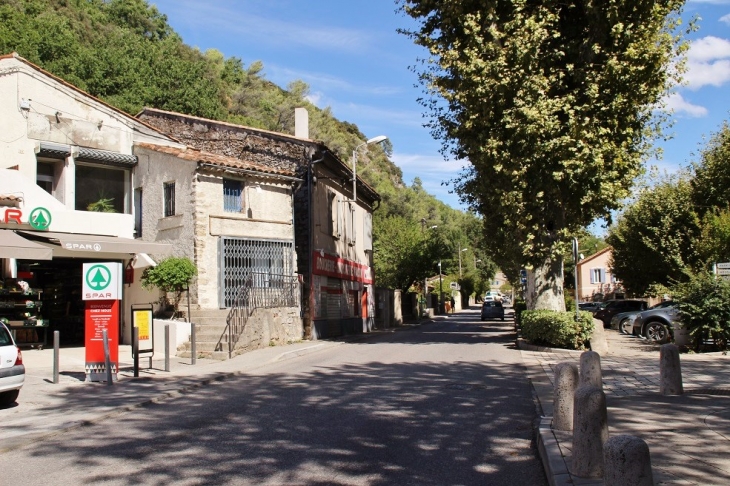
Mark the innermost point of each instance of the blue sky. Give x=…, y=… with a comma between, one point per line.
x=349, y=53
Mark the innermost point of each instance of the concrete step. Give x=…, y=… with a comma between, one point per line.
x=206, y=313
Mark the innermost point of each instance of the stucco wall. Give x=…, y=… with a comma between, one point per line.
x=270, y=326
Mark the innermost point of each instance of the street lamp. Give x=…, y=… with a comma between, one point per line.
x=378, y=139
x=441, y=292
x=463, y=249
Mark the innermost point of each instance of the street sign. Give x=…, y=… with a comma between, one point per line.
x=724, y=266
x=454, y=286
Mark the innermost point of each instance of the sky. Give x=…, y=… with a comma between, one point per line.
x=355, y=62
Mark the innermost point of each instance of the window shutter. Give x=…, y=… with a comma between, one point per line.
x=603, y=275
x=593, y=275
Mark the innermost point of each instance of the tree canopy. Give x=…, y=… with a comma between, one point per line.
x=553, y=104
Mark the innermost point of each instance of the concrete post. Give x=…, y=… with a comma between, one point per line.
x=590, y=369
x=566, y=382
x=590, y=431
x=670, y=371
x=627, y=461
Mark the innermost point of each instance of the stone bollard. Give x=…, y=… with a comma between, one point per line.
x=627, y=461
x=590, y=369
x=590, y=431
x=566, y=382
x=670, y=371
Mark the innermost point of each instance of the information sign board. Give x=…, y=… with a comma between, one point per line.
x=102, y=281
x=101, y=315
x=142, y=320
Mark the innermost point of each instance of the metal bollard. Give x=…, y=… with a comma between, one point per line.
x=107, y=358
x=135, y=350
x=167, y=347
x=56, y=356
x=590, y=432
x=627, y=461
x=590, y=369
x=670, y=371
x=566, y=381
x=193, y=352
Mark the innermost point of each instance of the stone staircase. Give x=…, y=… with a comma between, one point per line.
x=211, y=335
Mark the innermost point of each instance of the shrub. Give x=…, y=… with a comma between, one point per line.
x=518, y=307
x=172, y=274
x=703, y=303
x=557, y=329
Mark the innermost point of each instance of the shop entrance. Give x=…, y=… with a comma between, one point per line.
x=59, y=281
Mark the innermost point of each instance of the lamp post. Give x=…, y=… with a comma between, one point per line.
x=441, y=292
x=378, y=139
x=461, y=250
x=425, y=280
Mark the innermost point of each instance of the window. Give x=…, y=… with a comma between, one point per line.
x=335, y=218
x=45, y=176
x=169, y=199
x=138, y=212
x=232, y=196
x=598, y=275
x=351, y=227
x=101, y=188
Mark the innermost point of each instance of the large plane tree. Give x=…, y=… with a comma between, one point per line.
x=553, y=104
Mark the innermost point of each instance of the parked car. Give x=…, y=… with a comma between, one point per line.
x=591, y=307
x=658, y=323
x=618, y=306
x=492, y=309
x=12, y=371
x=624, y=321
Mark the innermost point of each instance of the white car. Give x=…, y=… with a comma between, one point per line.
x=12, y=371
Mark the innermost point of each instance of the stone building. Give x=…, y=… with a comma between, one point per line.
x=332, y=216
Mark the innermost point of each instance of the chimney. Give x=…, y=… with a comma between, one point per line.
x=301, y=123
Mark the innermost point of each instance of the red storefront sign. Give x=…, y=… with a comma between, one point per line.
x=332, y=266
x=101, y=315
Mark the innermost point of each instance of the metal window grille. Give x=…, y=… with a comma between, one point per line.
x=169, y=195
x=232, y=196
x=263, y=265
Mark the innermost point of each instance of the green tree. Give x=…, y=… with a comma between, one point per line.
x=653, y=241
x=172, y=274
x=553, y=104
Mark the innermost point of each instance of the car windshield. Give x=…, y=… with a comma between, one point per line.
x=5, y=339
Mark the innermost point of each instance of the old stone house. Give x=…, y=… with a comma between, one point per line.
x=332, y=216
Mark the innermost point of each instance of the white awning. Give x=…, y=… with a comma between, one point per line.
x=13, y=245
x=96, y=243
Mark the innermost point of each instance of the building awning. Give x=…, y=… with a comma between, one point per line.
x=96, y=243
x=13, y=245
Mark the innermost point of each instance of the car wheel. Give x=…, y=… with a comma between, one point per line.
x=626, y=326
x=656, y=332
x=8, y=397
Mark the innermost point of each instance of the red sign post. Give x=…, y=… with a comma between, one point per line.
x=101, y=315
x=101, y=292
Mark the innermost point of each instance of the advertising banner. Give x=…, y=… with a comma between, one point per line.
x=142, y=320
x=101, y=315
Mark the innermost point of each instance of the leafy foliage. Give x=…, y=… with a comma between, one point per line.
x=653, y=241
x=703, y=302
x=172, y=274
x=558, y=329
x=552, y=103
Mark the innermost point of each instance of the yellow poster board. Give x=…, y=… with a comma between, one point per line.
x=142, y=320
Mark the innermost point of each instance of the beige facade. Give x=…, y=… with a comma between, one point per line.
x=595, y=276
x=64, y=154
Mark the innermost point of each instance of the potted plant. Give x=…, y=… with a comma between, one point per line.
x=171, y=275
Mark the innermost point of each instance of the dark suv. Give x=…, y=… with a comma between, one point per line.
x=658, y=324
x=617, y=306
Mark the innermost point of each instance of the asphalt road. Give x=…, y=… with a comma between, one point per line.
x=446, y=403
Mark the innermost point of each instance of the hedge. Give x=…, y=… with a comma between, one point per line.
x=557, y=329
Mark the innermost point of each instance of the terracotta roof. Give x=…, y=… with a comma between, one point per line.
x=15, y=55
x=195, y=155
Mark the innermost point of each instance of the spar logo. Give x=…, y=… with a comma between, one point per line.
x=40, y=218
x=98, y=277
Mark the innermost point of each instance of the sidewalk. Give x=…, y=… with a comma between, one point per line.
x=688, y=435
x=45, y=409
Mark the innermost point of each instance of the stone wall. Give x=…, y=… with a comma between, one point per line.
x=268, y=327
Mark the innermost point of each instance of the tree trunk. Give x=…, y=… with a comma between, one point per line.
x=545, y=286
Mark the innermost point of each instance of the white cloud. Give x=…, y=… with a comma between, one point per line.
x=677, y=104
x=725, y=19
x=708, y=63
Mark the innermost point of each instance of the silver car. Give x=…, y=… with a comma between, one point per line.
x=12, y=371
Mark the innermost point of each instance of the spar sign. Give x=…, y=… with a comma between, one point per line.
x=101, y=290
x=102, y=281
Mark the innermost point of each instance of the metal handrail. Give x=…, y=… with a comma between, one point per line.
x=260, y=291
